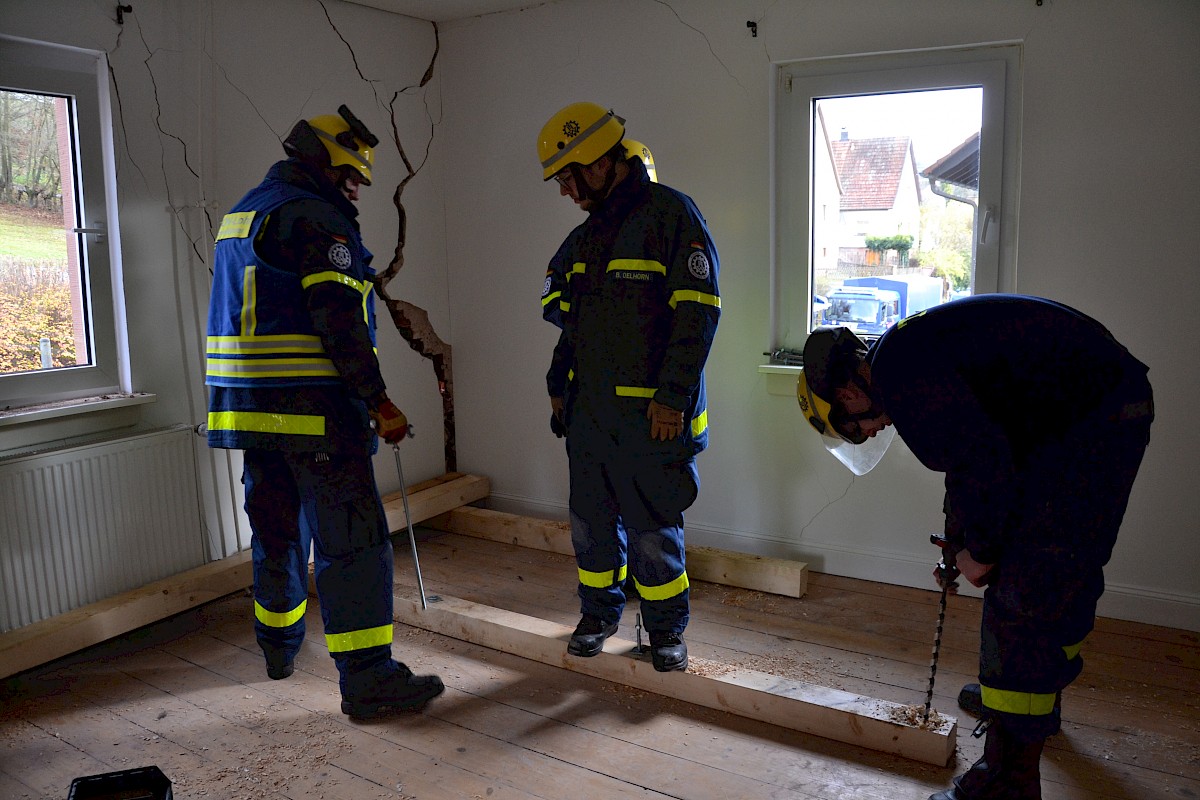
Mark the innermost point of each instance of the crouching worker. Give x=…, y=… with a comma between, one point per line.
x=1040, y=419
x=295, y=383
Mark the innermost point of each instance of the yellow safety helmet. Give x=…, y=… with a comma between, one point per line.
x=577, y=134
x=831, y=357
x=635, y=148
x=344, y=138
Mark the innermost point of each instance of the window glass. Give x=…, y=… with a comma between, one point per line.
x=58, y=293
x=890, y=179
x=42, y=314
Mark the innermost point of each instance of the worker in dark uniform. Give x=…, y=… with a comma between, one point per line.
x=295, y=383
x=1040, y=419
x=639, y=310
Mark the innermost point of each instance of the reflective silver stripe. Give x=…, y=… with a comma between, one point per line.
x=271, y=368
x=279, y=343
x=595, y=126
x=347, y=150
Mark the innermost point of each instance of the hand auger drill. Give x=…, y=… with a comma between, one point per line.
x=947, y=571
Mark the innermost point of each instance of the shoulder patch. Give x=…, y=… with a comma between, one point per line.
x=698, y=265
x=546, y=286
x=339, y=256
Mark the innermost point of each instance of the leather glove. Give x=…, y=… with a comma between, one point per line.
x=556, y=417
x=665, y=422
x=390, y=423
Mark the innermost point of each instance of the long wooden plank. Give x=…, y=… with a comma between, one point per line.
x=831, y=713
x=83, y=627
x=773, y=575
x=433, y=498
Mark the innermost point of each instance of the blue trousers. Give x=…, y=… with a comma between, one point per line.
x=295, y=500
x=1040, y=603
x=627, y=518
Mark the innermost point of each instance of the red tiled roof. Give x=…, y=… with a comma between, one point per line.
x=870, y=171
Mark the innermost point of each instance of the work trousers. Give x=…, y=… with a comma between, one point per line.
x=1040, y=603
x=627, y=509
x=331, y=502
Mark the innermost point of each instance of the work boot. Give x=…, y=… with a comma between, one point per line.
x=668, y=652
x=398, y=690
x=588, y=638
x=1009, y=769
x=970, y=700
x=279, y=666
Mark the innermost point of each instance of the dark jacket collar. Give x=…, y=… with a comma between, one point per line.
x=306, y=176
x=627, y=194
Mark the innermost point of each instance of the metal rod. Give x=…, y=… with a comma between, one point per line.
x=412, y=539
x=937, y=646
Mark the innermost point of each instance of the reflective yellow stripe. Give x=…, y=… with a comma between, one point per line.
x=330, y=276
x=700, y=423
x=263, y=345
x=236, y=225
x=249, y=298
x=686, y=295
x=1072, y=651
x=316, y=367
x=265, y=422
x=1027, y=703
x=665, y=591
x=578, y=268
x=550, y=298
x=359, y=640
x=635, y=391
x=636, y=265
x=602, y=580
x=276, y=619
x=564, y=306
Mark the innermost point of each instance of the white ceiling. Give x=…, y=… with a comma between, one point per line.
x=446, y=10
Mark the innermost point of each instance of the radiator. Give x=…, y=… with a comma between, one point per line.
x=81, y=524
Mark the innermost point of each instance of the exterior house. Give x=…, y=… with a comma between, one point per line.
x=881, y=192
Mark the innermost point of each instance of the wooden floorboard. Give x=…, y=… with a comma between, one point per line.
x=190, y=695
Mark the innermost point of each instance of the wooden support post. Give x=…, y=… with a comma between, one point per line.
x=774, y=575
x=831, y=713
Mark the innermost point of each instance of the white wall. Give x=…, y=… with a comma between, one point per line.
x=204, y=91
x=1107, y=207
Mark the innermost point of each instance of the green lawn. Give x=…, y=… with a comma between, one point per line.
x=30, y=236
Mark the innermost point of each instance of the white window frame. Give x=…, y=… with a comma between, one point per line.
x=83, y=76
x=797, y=84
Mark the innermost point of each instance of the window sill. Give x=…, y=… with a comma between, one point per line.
x=28, y=426
x=780, y=378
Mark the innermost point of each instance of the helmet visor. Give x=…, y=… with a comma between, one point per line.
x=860, y=458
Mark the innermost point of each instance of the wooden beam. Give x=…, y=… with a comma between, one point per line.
x=40, y=642
x=830, y=713
x=44, y=641
x=434, y=497
x=774, y=575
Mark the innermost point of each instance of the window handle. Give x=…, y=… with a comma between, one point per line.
x=989, y=216
x=97, y=232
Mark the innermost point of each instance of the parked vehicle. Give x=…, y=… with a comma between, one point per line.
x=872, y=305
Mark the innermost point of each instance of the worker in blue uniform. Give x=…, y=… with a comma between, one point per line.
x=639, y=308
x=1039, y=418
x=558, y=270
x=295, y=384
